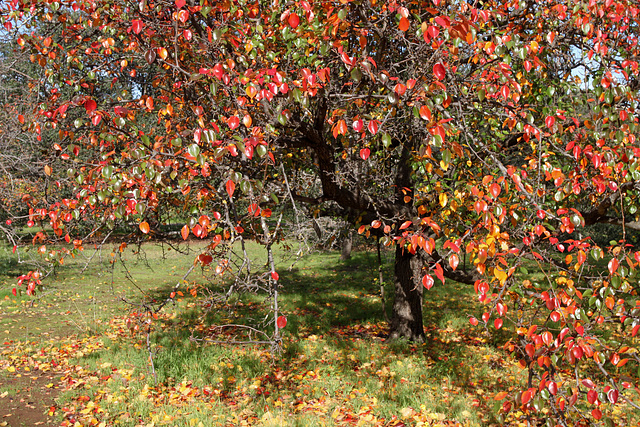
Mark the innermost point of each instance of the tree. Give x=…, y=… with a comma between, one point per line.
x=479, y=139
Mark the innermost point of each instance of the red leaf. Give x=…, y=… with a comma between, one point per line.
x=613, y=265
x=183, y=15
x=231, y=187
x=21, y=119
x=185, y=232
x=137, y=26
x=357, y=125
x=549, y=121
x=281, y=322
x=439, y=71
x=373, y=127
x=495, y=189
x=275, y=276
x=233, y=122
x=205, y=259
x=180, y=3
x=14, y=291
x=443, y=21
x=498, y=324
x=527, y=395
x=90, y=105
x=294, y=20
x=473, y=321
x=427, y=281
x=364, y=153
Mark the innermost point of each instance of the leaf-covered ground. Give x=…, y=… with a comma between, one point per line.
x=68, y=358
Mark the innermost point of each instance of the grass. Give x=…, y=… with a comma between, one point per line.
x=334, y=369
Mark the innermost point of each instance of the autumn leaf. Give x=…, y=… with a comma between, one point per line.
x=439, y=71
x=137, y=26
x=144, y=227
x=293, y=20
x=90, y=105
x=427, y=281
x=231, y=187
x=404, y=24
x=281, y=322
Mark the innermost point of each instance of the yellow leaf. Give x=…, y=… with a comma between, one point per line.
x=443, y=199
x=500, y=274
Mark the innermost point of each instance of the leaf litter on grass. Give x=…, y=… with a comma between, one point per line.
x=335, y=367
x=326, y=379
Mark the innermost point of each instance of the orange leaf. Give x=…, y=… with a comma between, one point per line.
x=425, y=113
x=404, y=24
x=500, y=395
x=144, y=227
x=185, y=232
x=453, y=261
x=439, y=272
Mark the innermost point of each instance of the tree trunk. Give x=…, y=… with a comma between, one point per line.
x=406, y=320
x=347, y=244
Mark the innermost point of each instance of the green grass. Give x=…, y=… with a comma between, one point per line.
x=334, y=368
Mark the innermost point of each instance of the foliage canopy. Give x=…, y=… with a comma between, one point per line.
x=481, y=139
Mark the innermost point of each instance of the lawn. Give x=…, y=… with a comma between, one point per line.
x=68, y=357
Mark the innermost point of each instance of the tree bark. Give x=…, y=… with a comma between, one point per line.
x=347, y=244
x=406, y=320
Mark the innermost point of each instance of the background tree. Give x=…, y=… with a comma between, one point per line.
x=478, y=138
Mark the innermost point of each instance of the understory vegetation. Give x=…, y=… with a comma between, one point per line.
x=74, y=347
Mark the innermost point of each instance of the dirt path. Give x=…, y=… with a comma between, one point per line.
x=31, y=401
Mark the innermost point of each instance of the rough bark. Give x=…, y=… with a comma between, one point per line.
x=406, y=320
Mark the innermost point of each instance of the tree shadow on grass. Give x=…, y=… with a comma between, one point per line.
x=336, y=327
